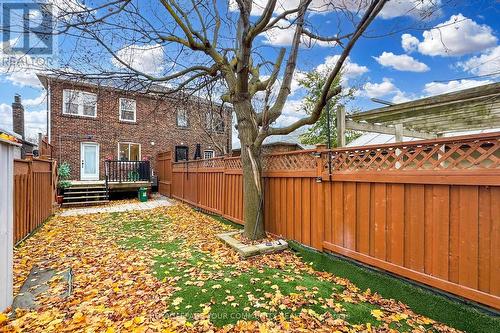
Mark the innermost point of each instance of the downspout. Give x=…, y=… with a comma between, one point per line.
x=49, y=134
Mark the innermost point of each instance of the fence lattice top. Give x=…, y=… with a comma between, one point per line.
x=459, y=153
x=441, y=154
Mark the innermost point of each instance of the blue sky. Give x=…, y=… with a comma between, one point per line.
x=456, y=48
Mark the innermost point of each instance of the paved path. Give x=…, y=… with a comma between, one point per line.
x=150, y=204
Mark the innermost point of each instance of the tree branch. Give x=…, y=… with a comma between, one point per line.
x=326, y=92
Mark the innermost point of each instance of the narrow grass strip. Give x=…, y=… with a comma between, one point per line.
x=423, y=301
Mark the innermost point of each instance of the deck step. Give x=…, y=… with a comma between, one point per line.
x=84, y=198
x=85, y=192
x=88, y=184
x=84, y=203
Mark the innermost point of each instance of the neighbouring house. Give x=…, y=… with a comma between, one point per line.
x=274, y=147
x=91, y=122
x=18, y=128
x=468, y=111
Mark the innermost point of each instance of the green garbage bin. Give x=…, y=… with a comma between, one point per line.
x=143, y=194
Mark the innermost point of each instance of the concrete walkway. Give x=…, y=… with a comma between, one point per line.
x=157, y=201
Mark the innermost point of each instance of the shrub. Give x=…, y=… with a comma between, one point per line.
x=64, y=174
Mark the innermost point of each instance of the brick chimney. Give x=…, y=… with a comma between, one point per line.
x=18, y=116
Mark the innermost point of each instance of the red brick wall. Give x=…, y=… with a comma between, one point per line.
x=155, y=122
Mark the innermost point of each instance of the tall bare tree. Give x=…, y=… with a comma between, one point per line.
x=210, y=42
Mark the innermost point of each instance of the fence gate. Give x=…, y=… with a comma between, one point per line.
x=164, y=167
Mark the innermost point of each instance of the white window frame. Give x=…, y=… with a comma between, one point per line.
x=120, y=110
x=129, y=143
x=208, y=151
x=210, y=122
x=177, y=118
x=80, y=93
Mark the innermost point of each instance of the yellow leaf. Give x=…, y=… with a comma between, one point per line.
x=3, y=318
x=110, y=330
x=377, y=314
x=78, y=317
x=139, y=320
x=177, y=301
x=128, y=323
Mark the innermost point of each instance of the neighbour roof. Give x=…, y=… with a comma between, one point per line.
x=381, y=138
x=124, y=84
x=469, y=109
x=277, y=143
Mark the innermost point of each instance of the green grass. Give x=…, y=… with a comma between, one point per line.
x=423, y=301
x=232, y=295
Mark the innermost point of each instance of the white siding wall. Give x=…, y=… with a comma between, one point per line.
x=6, y=222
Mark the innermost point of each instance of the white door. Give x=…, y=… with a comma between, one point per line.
x=89, y=161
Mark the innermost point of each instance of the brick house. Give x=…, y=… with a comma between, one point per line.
x=89, y=123
x=274, y=148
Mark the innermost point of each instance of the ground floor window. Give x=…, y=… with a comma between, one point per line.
x=181, y=153
x=129, y=151
x=208, y=154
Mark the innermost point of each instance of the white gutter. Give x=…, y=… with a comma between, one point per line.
x=48, y=112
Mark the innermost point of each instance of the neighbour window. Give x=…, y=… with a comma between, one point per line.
x=79, y=103
x=181, y=153
x=214, y=122
x=208, y=154
x=182, y=118
x=127, y=109
x=129, y=151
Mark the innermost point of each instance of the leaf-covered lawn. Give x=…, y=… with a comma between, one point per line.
x=164, y=271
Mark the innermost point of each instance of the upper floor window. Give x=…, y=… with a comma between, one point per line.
x=214, y=122
x=182, y=118
x=127, y=110
x=79, y=103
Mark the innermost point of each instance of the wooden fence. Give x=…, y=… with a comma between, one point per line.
x=34, y=193
x=426, y=210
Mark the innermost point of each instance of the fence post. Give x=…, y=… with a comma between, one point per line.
x=30, y=203
x=223, y=192
x=317, y=237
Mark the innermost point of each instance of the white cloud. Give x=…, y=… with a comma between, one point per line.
x=384, y=88
x=416, y=8
x=5, y=116
x=34, y=121
x=37, y=101
x=457, y=36
x=401, y=62
x=485, y=64
x=282, y=35
x=350, y=69
x=26, y=78
x=401, y=97
x=144, y=58
x=409, y=42
x=437, y=88
x=395, y=8
x=20, y=69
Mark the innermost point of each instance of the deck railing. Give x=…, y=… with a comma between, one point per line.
x=127, y=171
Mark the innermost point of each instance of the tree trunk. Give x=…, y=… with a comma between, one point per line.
x=252, y=172
x=253, y=212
